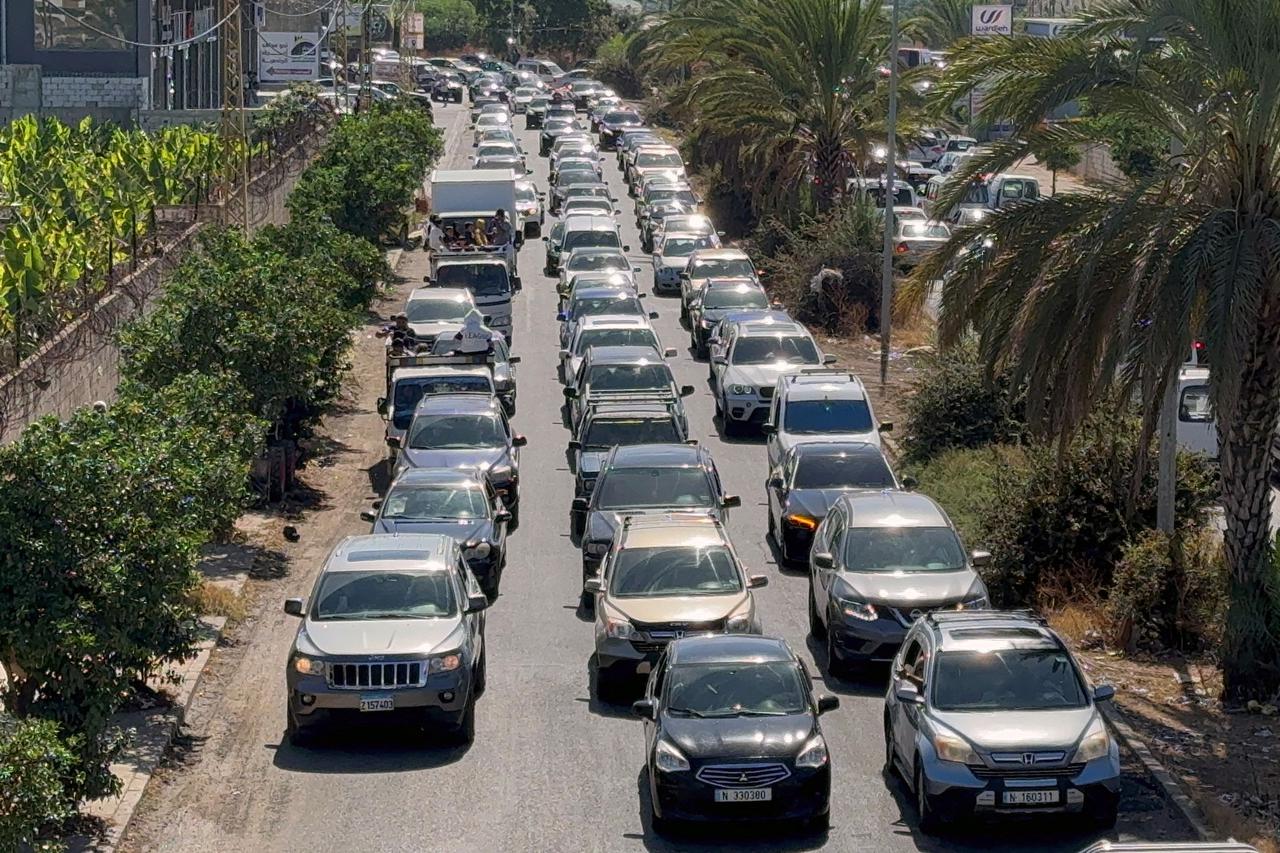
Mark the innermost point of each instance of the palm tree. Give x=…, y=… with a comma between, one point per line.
x=938, y=23
x=792, y=87
x=1086, y=294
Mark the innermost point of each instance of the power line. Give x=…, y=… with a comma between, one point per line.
x=122, y=40
x=330, y=5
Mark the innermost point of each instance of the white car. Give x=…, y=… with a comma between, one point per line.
x=603, y=330
x=671, y=254
x=491, y=121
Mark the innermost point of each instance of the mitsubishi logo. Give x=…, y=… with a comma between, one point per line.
x=1028, y=758
x=743, y=779
x=990, y=16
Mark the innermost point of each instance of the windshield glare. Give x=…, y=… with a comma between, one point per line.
x=830, y=416
x=595, y=261
x=425, y=503
x=436, y=311
x=630, y=337
x=480, y=279
x=723, y=268
x=589, y=239
x=902, y=549
x=450, y=432
x=683, y=247
x=607, y=305
x=772, y=688
x=854, y=471
x=674, y=570
x=1007, y=680
x=642, y=488
x=767, y=349
x=735, y=297
x=629, y=377
x=610, y=433
x=385, y=595
x=670, y=161
x=684, y=197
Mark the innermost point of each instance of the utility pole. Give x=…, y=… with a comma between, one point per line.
x=232, y=124
x=1167, y=429
x=366, y=69
x=890, y=178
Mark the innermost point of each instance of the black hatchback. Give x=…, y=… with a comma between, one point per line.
x=732, y=734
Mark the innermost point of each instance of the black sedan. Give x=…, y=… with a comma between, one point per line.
x=460, y=503
x=612, y=124
x=732, y=734
x=812, y=477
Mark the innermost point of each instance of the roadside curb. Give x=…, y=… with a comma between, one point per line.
x=1170, y=787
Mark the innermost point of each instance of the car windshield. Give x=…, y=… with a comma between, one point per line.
x=644, y=488
x=764, y=349
x=436, y=310
x=630, y=377
x=586, y=239
x=683, y=247
x=923, y=229
x=620, y=304
x=559, y=123
x=385, y=595
x=409, y=392
x=456, y=432
x=437, y=501
x=842, y=471
x=770, y=688
x=621, y=117
x=697, y=224
x=735, y=297
x=1007, y=680
x=496, y=149
x=587, y=205
x=902, y=549
x=629, y=337
x=480, y=279
x=595, y=261
x=526, y=192
x=819, y=416
x=616, y=431
x=674, y=570
x=723, y=268
x=587, y=191
x=682, y=196
x=662, y=159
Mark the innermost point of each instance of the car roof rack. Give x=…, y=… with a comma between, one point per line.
x=937, y=617
x=832, y=372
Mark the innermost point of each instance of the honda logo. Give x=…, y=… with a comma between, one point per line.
x=1028, y=758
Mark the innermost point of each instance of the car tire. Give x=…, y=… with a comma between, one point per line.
x=835, y=666
x=816, y=629
x=610, y=688
x=732, y=428
x=818, y=824
x=661, y=825
x=576, y=522
x=464, y=731
x=1105, y=817
x=296, y=734
x=890, y=766
x=480, y=677
x=926, y=810
x=515, y=517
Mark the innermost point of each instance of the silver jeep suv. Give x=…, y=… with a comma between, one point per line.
x=394, y=627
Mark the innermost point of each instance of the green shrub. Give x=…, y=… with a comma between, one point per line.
x=955, y=404
x=34, y=768
x=449, y=24
x=965, y=481
x=348, y=265
x=1064, y=519
x=614, y=65
x=270, y=322
x=1168, y=593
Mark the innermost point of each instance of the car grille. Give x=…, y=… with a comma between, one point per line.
x=648, y=648
x=766, y=392
x=360, y=676
x=743, y=775
x=984, y=772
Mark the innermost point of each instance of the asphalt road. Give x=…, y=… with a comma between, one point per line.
x=550, y=769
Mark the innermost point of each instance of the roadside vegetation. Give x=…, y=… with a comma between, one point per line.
x=103, y=516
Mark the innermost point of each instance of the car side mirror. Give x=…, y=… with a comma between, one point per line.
x=686, y=390
x=427, y=278
x=502, y=516
x=669, y=352
x=775, y=482
x=393, y=441
x=823, y=560
x=908, y=694
x=515, y=359
x=828, y=359
x=633, y=269
x=719, y=359
x=593, y=585
x=546, y=239
x=368, y=515
x=476, y=603
x=827, y=702
x=516, y=284
x=1103, y=692
x=769, y=429
x=579, y=505
x=574, y=444
x=519, y=441
x=757, y=581
x=886, y=426
x=910, y=483
x=730, y=501
x=980, y=558
x=562, y=316
x=571, y=393
x=644, y=709
x=617, y=212
x=627, y=249
x=382, y=406
x=293, y=606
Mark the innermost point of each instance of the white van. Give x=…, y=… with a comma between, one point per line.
x=546, y=70
x=1197, y=431
x=1005, y=189
x=977, y=196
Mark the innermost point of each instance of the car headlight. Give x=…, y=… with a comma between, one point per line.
x=1096, y=743
x=742, y=390
x=858, y=610
x=445, y=663
x=739, y=624
x=814, y=753
x=596, y=549
x=308, y=666
x=478, y=549
x=954, y=748
x=500, y=473
x=617, y=628
x=981, y=602
x=706, y=324
x=669, y=759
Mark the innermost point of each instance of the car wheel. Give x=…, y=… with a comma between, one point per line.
x=925, y=808
x=719, y=409
x=773, y=531
x=515, y=517
x=610, y=688
x=296, y=733
x=1104, y=817
x=481, y=677
x=464, y=731
x=816, y=628
x=819, y=824
x=661, y=825
x=576, y=521
x=890, y=766
x=836, y=667
x=731, y=427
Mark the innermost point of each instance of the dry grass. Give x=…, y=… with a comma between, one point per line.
x=216, y=599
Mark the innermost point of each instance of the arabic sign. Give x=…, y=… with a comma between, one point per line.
x=286, y=57
x=992, y=20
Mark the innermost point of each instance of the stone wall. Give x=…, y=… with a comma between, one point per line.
x=27, y=89
x=81, y=364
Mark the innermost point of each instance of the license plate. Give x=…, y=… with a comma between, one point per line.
x=744, y=795
x=377, y=703
x=1030, y=798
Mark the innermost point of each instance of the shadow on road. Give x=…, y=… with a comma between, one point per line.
x=868, y=682
x=386, y=749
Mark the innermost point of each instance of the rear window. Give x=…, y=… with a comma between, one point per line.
x=409, y=392
x=630, y=377
x=480, y=279
x=583, y=239
x=827, y=416
x=844, y=471
x=924, y=229
x=1007, y=680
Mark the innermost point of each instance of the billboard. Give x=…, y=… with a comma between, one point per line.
x=992, y=21
x=288, y=57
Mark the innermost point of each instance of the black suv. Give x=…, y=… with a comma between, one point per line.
x=607, y=425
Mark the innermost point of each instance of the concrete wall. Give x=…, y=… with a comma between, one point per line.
x=1096, y=164
x=26, y=89
x=81, y=364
